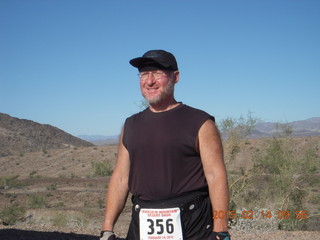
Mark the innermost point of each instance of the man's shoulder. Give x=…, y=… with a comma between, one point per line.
x=193, y=109
x=197, y=111
x=137, y=115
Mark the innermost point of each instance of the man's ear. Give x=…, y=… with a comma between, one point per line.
x=176, y=75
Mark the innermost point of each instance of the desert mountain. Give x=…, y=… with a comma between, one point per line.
x=18, y=136
x=100, y=140
x=308, y=127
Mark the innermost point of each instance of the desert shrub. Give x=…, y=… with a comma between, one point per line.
x=315, y=199
x=101, y=203
x=80, y=221
x=11, y=196
x=52, y=187
x=102, y=169
x=62, y=175
x=311, y=165
x=72, y=175
x=6, y=182
x=60, y=220
x=12, y=214
x=13, y=182
x=32, y=174
x=278, y=180
x=59, y=205
x=235, y=131
x=37, y=202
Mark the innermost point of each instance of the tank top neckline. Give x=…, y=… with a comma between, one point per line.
x=148, y=111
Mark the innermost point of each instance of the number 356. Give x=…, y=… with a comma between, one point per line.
x=158, y=226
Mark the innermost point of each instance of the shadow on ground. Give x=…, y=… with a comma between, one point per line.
x=15, y=234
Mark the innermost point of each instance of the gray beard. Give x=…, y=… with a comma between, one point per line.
x=168, y=91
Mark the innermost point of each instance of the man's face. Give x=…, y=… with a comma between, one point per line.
x=156, y=86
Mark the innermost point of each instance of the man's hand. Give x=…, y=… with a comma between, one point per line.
x=107, y=235
x=219, y=236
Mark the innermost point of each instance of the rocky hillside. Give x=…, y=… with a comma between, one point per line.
x=18, y=136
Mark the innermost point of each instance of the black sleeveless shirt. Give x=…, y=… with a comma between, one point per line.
x=164, y=161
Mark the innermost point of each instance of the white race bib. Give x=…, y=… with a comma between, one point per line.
x=160, y=224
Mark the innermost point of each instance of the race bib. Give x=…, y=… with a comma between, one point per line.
x=160, y=224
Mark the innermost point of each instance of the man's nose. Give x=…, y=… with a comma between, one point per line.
x=150, y=79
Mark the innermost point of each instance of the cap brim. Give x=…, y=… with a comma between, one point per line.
x=143, y=61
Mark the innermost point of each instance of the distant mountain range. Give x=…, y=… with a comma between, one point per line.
x=308, y=127
x=18, y=136
x=100, y=140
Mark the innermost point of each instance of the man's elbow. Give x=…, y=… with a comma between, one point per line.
x=216, y=177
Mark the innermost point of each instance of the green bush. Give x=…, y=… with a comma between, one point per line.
x=37, y=202
x=12, y=214
x=102, y=169
x=235, y=132
x=8, y=181
x=60, y=220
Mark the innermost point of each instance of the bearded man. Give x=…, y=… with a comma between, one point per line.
x=170, y=158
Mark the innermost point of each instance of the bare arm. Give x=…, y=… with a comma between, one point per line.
x=211, y=152
x=118, y=188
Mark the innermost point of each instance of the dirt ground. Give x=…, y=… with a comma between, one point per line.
x=79, y=234
x=65, y=200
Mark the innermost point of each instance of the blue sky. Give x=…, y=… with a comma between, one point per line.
x=65, y=62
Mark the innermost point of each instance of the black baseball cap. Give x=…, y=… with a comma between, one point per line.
x=155, y=59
